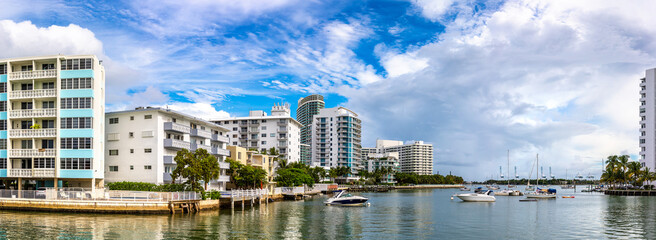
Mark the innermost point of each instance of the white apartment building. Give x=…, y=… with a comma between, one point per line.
x=647, y=138
x=262, y=132
x=52, y=122
x=336, y=139
x=414, y=157
x=142, y=144
x=389, y=161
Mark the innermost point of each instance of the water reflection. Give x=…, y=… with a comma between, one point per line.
x=630, y=217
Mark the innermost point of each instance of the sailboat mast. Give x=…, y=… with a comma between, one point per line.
x=508, y=169
x=537, y=160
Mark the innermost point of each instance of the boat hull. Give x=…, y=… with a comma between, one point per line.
x=541, y=196
x=476, y=198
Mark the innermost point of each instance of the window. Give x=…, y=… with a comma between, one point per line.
x=3, y=163
x=148, y=150
x=3, y=124
x=48, y=104
x=3, y=69
x=76, y=103
x=77, y=64
x=146, y=134
x=174, y=120
x=26, y=124
x=234, y=143
x=148, y=117
x=272, y=135
x=44, y=163
x=131, y=167
x=26, y=68
x=263, y=134
x=131, y=134
x=48, y=124
x=3, y=143
x=26, y=86
x=76, y=83
x=113, y=168
x=48, y=144
x=83, y=122
x=48, y=85
x=148, y=167
x=26, y=105
x=77, y=143
x=3, y=87
x=3, y=106
x=263, y=142
x=234, y=129
x=131, y=118
x=79, y=163
x=226, y=122
x=47, y=66
x=113, y=120
x=113, y=152
x=263, y=127
x=131, y=150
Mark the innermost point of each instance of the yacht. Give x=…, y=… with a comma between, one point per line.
x=477, y=197
x=509, y=192
x=543, y=193
x=344, y=199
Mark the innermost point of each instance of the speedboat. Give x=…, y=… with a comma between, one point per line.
x=344, y=199
x=509, y=192
x=492, y=187
x=542, y=193
x=465, y=189
x=477, y=197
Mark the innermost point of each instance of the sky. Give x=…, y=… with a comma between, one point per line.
x=474, y=78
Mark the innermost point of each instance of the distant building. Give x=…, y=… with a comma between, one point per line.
x=647, y=136
x=253, y=158
x=388, y=161
x=336, y=139
x=414, y=157
x=307, y=108
x=262, y=132
x=142, y=144
x=52, y=122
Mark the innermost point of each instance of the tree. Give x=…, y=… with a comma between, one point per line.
x=292, y=177
x=317, y=173
x=195, y=166
x=634, y=172
x=246, y=176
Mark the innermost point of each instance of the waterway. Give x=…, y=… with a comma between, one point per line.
x=400, y=214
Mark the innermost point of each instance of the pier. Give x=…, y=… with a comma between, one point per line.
x=630, y=192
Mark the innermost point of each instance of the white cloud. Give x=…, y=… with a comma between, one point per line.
x=201, y=110
x=433, y=9
x=549, y=77
x=26, y=39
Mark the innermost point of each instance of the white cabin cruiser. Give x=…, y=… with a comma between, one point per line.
x=345, y=199
x=508, y=192
x=477, y=197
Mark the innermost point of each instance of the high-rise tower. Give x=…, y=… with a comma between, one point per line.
x=307, y=108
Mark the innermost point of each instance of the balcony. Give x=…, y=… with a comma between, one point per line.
x=223, y=178
x=166, y=177
x=176, y=127
x=282, y=124
x=219, y=138
x=28, y=153
x=282, y=130
x=220, y=151
x=169, y=159
x=196, y=146
x=224, y=165
x=37, y=173
x=200, y=133
x=33, y=133
x=51, y=73
x=33, y=113
x=176, y=144
x=39, y=93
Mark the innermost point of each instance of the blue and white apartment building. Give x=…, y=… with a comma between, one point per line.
x=52, y=122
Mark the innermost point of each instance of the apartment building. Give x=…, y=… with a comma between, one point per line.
x=52, y=122
x=253, y=158
x=142, y=144
x=262, y=132
x=307, y=108
x=414, y=157
x=388, y=161
x=336, y=139
x=647, y=138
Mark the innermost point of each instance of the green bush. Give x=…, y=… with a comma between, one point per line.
x=147, y=187
x=212, y=194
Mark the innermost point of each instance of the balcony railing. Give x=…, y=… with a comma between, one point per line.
x=219, y=138
x=176, y=144
x=51, y=73
x=20, y=173
x=30, y=113
x=176, y=127
x=282, y=130
x=32, y=153
x=38, y=93
x=47, y=172
x=220, y=151
x=224, y=165
x=195, y=146
x=169, y=159
x=200, y=133
x=224, y=178
x=33, y=133
x=43, y=172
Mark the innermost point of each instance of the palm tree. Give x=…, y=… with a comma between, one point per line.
x=624, y=165
x=634, y=173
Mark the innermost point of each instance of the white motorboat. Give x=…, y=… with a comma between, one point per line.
x=477, y=197
x=465, y=189
x=344, y=199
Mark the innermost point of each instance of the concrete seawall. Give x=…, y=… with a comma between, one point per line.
x=91, y=206
x=430, y=186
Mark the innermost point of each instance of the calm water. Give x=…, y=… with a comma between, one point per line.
x=408, y=214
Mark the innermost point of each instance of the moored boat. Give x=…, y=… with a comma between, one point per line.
x=477, y=197
x=344, y=199
x=508, y=192
x=542, y=193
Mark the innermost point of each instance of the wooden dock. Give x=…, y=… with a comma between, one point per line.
x=630, y=192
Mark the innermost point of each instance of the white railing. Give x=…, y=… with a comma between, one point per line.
x=99, y=194
x=171, y=126
x=195, y=146
x=43, y=172
x=224, y=178
x=29, y=113
x=51, y=73
x=20, y=173
x=174, y=143
x=293, y=190
x=220, y=151
x=32, y=153
x=247, y=193
x=39, y=93
x=219, y=138
x=49, y=132
x=224, y=165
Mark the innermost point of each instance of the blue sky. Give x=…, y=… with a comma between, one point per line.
x=475, y=78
